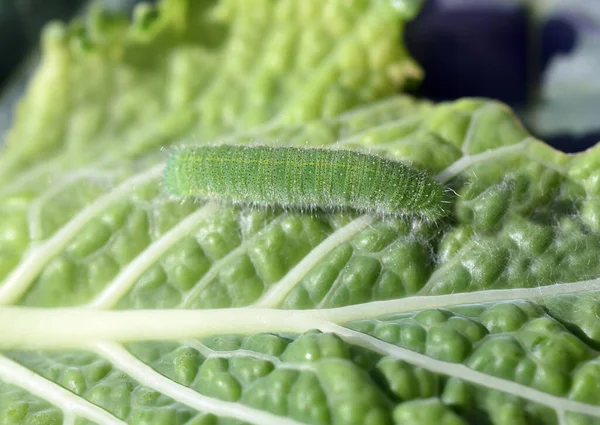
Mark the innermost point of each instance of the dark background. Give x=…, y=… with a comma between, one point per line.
x=487, y=48
x=22, y=20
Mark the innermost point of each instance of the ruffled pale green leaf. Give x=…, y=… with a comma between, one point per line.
x=198, y=69
x=121, y=305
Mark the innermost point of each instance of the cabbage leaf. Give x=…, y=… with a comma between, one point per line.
x=122, y=305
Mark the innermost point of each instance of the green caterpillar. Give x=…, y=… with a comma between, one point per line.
x=304, y=179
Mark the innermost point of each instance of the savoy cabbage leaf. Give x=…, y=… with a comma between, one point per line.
x=122, y=305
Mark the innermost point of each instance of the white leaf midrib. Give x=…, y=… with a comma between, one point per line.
x=60, y=328
x=110, y=350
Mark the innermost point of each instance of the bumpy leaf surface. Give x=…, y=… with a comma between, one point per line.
x=121, y=305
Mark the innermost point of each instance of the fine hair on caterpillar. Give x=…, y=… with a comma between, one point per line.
x=304, y=179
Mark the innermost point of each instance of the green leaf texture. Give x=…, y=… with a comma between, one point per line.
x=121, y=305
